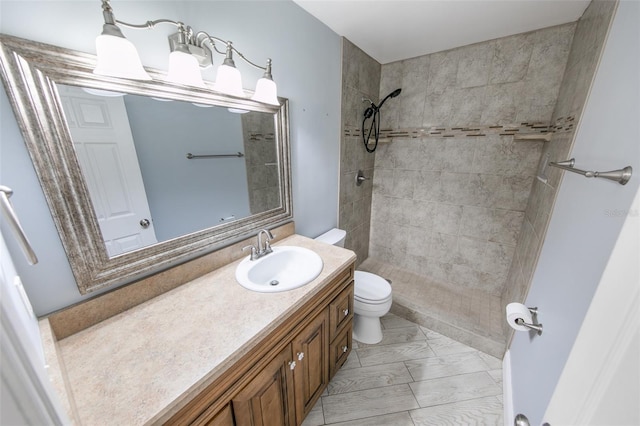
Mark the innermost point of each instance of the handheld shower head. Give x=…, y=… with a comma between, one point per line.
x=373, y=112
x=390, y=95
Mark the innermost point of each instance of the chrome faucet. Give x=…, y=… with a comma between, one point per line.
x=262, y=249
x=266, y=249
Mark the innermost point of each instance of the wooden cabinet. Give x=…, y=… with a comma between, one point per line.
x=311, y=375
x=280, y=379
x=268, y=399
x=223, y=418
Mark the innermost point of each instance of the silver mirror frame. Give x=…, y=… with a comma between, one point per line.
x=30, y=71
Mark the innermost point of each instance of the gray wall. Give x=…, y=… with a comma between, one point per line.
x=306, y=58
x=588, y=213
x=185, y=195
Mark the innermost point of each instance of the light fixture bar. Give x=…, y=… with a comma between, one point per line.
x=118, y=57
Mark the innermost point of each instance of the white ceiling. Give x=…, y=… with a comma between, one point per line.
x=391, y=30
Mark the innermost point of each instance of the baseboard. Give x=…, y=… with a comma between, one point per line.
x=507, y=389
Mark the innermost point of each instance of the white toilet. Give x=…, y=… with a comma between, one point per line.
x=372, y=296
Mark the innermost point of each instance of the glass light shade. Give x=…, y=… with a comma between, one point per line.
x=184, y=69
x=266, y=91
x=229, y=81
x=118, y=57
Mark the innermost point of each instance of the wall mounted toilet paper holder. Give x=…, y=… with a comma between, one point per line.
x=536, y=327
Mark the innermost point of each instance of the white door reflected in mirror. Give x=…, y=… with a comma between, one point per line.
x=104, y=147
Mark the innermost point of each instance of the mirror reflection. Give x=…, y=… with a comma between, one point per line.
x=158, y=169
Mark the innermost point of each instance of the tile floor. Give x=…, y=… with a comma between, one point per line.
x=413, y=377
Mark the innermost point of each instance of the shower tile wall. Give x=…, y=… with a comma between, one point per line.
x=360, y=79
x=587, y=46
x=451, y=208
x=261, y=159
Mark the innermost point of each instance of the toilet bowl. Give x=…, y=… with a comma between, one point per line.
x=372, y=296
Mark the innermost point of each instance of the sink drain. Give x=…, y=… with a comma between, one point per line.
x=274, y=282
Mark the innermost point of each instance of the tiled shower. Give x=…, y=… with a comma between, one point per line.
x=454, y=214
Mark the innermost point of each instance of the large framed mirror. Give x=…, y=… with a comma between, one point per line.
x=144, y=175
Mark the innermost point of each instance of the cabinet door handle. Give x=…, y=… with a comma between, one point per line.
x=346, y=312
x=300, y=356
x=345, y=348
x=292, y=365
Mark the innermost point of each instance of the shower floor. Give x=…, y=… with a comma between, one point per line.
x=469, y=316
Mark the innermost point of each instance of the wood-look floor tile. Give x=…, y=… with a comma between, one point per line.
x=430, y=334
x=446, y=346
x=396, y=419
x=369, y=378
x=393, y=321
x=481, y=411
x=368, y=403
x=398, y=335
x=373, y=355
x=454, y=388
x=352, y=361
x=444, y=366
x=496, y=375
x=315, y=416
x=492, y=362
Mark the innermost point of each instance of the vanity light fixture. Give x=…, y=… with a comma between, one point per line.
x=118, y=57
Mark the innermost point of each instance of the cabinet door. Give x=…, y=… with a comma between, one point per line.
x=268, y=400
x=311, y=375
x=340, y=311
x=339, y=349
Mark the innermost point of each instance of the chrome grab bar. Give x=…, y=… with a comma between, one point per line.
x=14, y=223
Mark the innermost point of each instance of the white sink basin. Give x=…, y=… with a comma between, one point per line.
x=288, y=267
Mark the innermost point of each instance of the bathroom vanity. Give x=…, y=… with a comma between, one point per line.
x=213, y=352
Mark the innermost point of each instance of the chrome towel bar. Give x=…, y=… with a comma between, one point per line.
x=621, y=176
x=14, y=223
x=191, y=156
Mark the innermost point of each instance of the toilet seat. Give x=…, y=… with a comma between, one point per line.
x=371, y=288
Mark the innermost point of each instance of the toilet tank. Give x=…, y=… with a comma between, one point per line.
x=334, y=237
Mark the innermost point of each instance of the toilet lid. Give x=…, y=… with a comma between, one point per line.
x=370, y=286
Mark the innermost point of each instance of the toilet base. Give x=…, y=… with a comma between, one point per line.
x=367, y=329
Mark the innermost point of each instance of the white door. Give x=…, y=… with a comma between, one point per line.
x=101, y=134
x=27, y=396
x=600, y=384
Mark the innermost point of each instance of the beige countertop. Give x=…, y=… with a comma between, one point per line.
x=145, y=363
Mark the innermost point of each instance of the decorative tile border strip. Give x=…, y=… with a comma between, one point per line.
x=253, y=136
x=563, y=124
